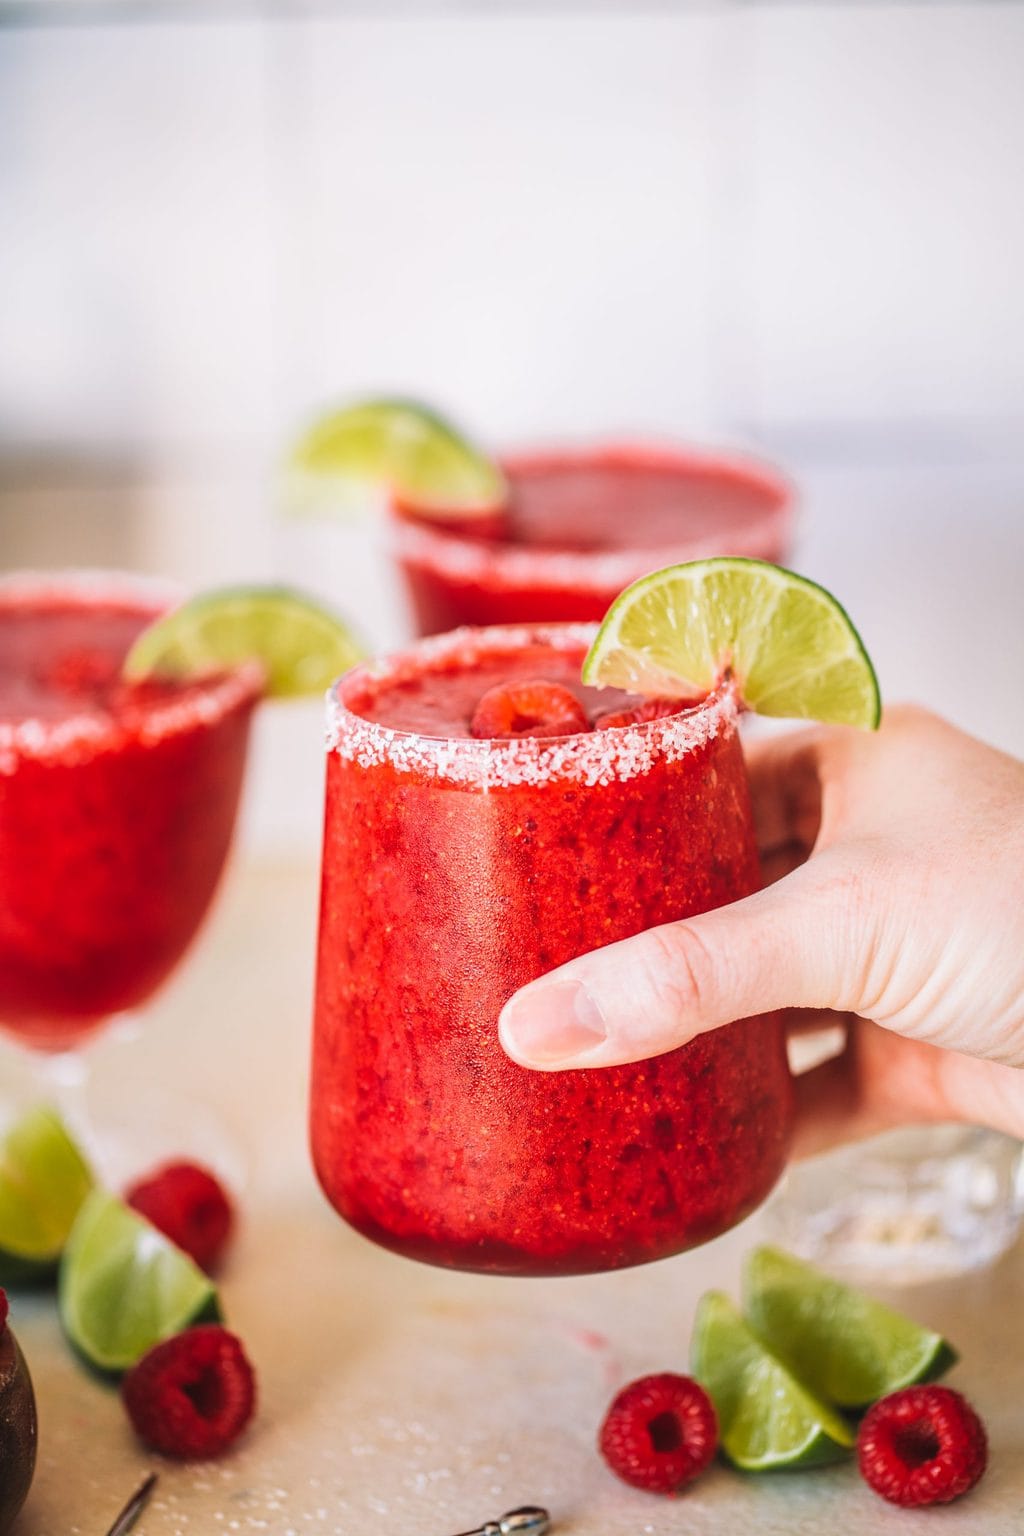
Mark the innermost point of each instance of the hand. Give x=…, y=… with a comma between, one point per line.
x=895, y=907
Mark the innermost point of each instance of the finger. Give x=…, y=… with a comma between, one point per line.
x=882, y=1080
x=815, y=1021
x=784, y=946
x=785, y=790
x=776, y=863
x=829, y=1109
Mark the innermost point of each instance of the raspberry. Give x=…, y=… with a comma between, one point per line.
x=81, y=673
x=192, y=1395
x=650, y=709
x=659, y=1433
x=922, y=1445
x=186, y=1203
x=533, y=708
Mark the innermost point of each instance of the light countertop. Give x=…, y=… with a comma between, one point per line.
x=399, y=1398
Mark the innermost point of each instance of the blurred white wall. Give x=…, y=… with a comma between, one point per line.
x=746, y=216
x=795, y=226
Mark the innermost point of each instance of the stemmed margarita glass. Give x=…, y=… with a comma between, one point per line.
x=117, y=806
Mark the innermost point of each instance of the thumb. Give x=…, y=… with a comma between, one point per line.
x=793, y=944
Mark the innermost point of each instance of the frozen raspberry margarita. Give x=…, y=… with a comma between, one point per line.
x=579, y=526
x=488, y=818
x=117, y=804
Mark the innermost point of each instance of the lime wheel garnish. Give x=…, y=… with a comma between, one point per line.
x=786, y=644
x=400, y=446
x=300, y=644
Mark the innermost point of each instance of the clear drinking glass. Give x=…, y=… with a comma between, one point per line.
x=456, y=869
x=117, y=806
x=582, y=523
x=910, y=1205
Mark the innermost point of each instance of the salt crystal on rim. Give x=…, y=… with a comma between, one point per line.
x=507, y=565
x=597, y=757
x=77, y=737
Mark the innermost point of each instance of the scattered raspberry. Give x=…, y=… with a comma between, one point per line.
x=186, y=1203
x=82, y=673
x=4, y=1308
x=660, y=1433
x=650, y=709
x=191, y=1396
x=923, y=1445
x=533, y=708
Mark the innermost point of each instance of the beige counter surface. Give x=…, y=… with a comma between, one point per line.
x=398, y=1398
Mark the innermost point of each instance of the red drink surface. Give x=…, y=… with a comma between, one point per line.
x=117, y=805
x=454, y=871
x=581, y=525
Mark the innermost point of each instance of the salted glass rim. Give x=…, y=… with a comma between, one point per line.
x=600, y=756
x=78, y=735
x=455, y=553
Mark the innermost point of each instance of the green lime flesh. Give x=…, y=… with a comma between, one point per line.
x=768, y=1421
x=787, y=645
x=399, y=444
x=124, y=1287
x=843, y=1345
x=44, y=1179
x=301, y=645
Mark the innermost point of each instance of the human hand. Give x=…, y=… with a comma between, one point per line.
x=895, y=907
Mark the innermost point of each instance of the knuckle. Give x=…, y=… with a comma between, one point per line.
x=679, y=972
x=865, y=963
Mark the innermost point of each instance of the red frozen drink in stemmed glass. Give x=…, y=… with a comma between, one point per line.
x=117, y=804
x=124, y=727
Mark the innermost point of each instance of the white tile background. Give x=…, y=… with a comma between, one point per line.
x=740, y=217
x=886, y=235
x=798, y=226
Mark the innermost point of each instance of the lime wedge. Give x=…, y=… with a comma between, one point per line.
x=397, y=444
x=43, y=1181
x=301, y=645
x=786, y=642
x=842, y=1345
x=124, y=1286
x=767, y=1420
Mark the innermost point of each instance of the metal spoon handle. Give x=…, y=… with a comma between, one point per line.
x=529, y=1520
x=133, y=1509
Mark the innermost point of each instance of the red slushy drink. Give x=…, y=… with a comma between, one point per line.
x=117, y=804
x=487, y=819
x=579, y=526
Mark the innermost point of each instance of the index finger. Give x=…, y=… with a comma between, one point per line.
x=785, y=788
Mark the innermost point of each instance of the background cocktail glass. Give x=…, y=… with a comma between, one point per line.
x=117, y=806
x=457, y=869
x=581, y=524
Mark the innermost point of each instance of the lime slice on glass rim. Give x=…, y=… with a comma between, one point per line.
x=843, y=1346
x=124, y=1286
x=44, y=1180
x=301, y=645
x=397, y=445
x=788, y=645
x=768, y=1421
